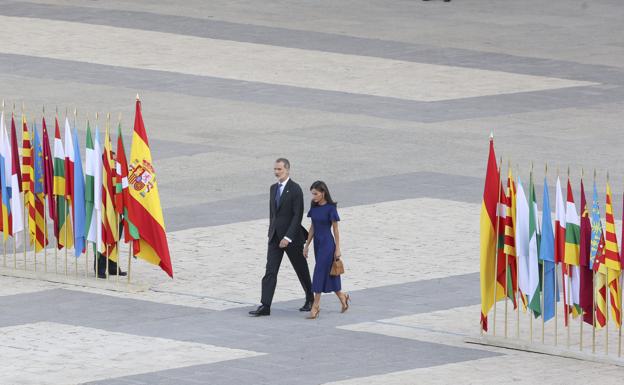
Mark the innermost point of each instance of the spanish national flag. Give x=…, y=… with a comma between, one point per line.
x=144, y=210
x=488, y=235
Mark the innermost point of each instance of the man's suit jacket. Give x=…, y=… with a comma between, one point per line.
x=285, y=218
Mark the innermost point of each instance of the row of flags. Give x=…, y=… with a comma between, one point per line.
x=84, y=205
x=522, y=254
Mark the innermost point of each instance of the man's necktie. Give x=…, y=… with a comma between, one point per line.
x=278, y=194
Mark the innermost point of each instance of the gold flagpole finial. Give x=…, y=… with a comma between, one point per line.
x=568, y=172
x=582, y=172
x=97, y=116
x=2, y=104
x=56, y=110
x=119, y=120
x=491, y=132
x=137, y=97
x=594, y=175
x=607, y=176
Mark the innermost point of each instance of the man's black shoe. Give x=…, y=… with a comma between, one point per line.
x=260, y=311
x=307, y=306
x=121, y=273
x=103, y=276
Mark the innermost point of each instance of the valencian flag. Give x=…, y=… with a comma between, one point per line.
x=547, y=256
x=145, y=212
x=612, y=260
x=48, y=175
x=586, y=291
x=5, y=180
x=122, y=195
x=63, y=230
x=16, y=184
x=489, y=208
x=572, y=254
x=596, y=262
x=79, y=200
x=39, y=211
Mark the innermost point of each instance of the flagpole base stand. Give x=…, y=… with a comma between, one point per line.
x=544, y=349
x=113, y=285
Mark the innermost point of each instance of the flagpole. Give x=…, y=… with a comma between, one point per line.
x=607, y=296
x=45, y=237
x=66, y=224
x=544, y=277
x=593, y=311
x=620, y=326
x=107, y=260
x=497, y=244
x=567, y=266
x=3, y=229
x=582, y=310
x=530, y=310
x=14, y=251
x=130, y=262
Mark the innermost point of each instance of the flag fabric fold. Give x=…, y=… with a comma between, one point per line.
x=63, y=230
x=144, y=209
x=612, y=260
x=571, y=262
x=547, y=256
x=596, y=262
x=79, y=200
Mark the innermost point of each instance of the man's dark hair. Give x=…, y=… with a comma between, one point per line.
x=285, y=161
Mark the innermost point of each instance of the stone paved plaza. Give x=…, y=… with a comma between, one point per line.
x=390, y=102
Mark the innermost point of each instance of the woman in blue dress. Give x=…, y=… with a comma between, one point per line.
x=326, y=247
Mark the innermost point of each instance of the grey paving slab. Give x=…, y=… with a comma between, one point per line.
x=289, y=96
x=358, y=192
x=318, y=354
x=306, y=39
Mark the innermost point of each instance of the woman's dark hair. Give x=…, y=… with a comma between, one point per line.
x=320, y=186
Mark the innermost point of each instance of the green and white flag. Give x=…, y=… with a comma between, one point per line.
x=534, y=243
x=93, y=192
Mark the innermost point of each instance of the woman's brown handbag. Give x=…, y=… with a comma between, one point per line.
x=337, y=267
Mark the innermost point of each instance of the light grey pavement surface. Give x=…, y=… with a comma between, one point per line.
x=390, y=102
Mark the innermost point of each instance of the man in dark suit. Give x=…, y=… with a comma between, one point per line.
x=285, y=234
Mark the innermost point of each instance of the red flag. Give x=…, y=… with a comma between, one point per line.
x=48, y=175
x=15, y=153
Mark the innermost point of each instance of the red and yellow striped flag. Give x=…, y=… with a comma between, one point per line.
x=612, y=261
x=489, y=208
x=110, y=218
x=144, y=209
x=28, y=176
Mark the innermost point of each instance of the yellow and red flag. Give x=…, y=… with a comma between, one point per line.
x=489, y=208
x=145, y=211
x=110, y=218
x=612, y=260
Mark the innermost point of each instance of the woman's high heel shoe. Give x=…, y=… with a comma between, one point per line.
x=345, y=304
x=314, y=313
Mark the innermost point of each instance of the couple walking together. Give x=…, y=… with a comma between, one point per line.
x=286, y=234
